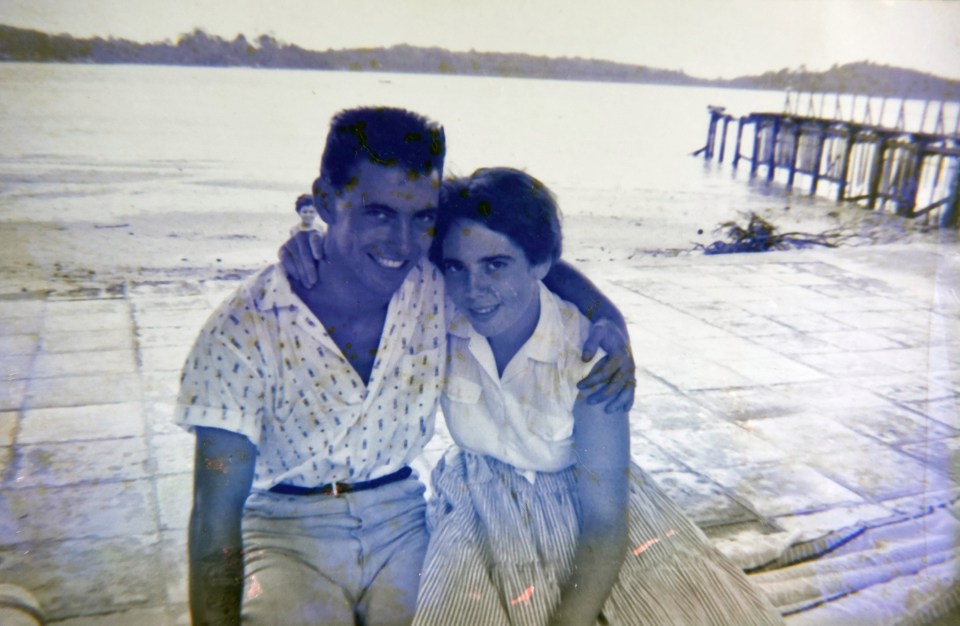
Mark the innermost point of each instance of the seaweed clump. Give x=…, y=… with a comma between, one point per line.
x=759, y=235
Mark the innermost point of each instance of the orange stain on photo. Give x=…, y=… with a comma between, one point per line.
x=649, y=542
x=523, y=597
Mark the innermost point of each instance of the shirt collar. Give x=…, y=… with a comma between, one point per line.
x=275, y=291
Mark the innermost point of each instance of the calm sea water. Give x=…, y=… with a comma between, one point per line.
x=86, y=142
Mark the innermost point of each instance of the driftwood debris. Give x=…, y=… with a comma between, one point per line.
x=759, y=235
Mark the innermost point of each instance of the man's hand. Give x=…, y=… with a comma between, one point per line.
x=299, y=257
x=613, y=379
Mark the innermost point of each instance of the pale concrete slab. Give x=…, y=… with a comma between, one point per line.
x=159, y=418
x=701, y=499
x=773, y=370
x=809, y=322
x=165, y=359
x=700, y=374
x=175, y=499
x=878, y=472
x=651, y=457
x=82, y=390
x=667, y=412
x=716, y=445
x=173, y=453
x=12, y=394
x=66, y=322
x=89, y=577
x=60, y=364
x=88, y=340
x=787, y=488
x=810, y=526
x=8, y=427
x=746, y=403
x=96, y=510
x=792, y=342
x=796, y=435
x=895, y=425
x=853, y=339
x=28, y=325
x=29, y=308
x=16, y=367
x=75, y=462
x=78, y=307
x=12, y=345
x=97, y=421
x=844, y=364
x=913, y=388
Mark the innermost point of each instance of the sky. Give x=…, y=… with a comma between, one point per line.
x=704, y=38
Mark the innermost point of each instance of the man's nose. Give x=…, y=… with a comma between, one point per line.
x=403, y=236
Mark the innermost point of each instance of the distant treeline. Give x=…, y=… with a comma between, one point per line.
x=198, y=48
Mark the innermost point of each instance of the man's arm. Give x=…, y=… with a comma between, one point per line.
x=614, y=376
x=223, y=474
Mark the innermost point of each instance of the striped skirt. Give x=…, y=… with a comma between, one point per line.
x=500, y=548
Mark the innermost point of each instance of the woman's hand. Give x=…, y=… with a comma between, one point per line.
x=299, y=257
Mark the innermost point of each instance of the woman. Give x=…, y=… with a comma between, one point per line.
x=538, y=515
x=308, y=215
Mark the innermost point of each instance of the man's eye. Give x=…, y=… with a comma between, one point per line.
x=426, y=218
x=493, y=266
x=452, y=267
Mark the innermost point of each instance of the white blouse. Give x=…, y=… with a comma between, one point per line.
x=524, y=418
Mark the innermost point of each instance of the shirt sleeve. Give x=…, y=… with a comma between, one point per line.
x=224, y=378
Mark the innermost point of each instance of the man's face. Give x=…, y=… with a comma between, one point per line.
x=382, y=226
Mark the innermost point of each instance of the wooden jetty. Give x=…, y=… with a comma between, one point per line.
x=914, y=174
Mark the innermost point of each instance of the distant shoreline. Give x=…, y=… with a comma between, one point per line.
x=200, y=49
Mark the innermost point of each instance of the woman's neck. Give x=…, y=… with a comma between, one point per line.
x=506, y=345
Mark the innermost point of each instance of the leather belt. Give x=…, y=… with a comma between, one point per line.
x=334, y=489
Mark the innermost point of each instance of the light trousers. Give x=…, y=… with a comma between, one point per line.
x=348, y=559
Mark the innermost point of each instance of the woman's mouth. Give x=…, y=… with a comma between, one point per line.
x=483, y=313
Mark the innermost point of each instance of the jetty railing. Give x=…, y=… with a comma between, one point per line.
x=914, y=174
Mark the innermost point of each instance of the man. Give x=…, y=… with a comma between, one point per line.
x=310, y=398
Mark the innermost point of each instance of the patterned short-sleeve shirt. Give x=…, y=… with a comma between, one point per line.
x=525, y=416
x=264, y=367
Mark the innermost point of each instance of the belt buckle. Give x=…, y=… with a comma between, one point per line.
x=334, y=488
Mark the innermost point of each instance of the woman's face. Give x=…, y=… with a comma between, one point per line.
x=490, y=280
x=308, y=214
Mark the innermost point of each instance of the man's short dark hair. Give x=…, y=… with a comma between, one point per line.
x=386, y=136
x=507, y=201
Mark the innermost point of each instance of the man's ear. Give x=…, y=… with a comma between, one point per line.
x=325, y=200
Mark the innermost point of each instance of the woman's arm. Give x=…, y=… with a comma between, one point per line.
x=602, y=448
x=223, y=474
x=614, y=376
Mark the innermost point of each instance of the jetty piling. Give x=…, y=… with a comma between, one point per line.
x=911, y=173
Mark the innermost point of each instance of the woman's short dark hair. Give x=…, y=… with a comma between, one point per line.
x=383, y=136
x=303, y=200
x=505, y=200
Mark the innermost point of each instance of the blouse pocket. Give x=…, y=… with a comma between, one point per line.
x=462, y=390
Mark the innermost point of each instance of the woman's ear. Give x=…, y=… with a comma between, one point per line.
x=325, y=200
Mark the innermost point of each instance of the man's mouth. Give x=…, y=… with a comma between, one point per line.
x=390, y=264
